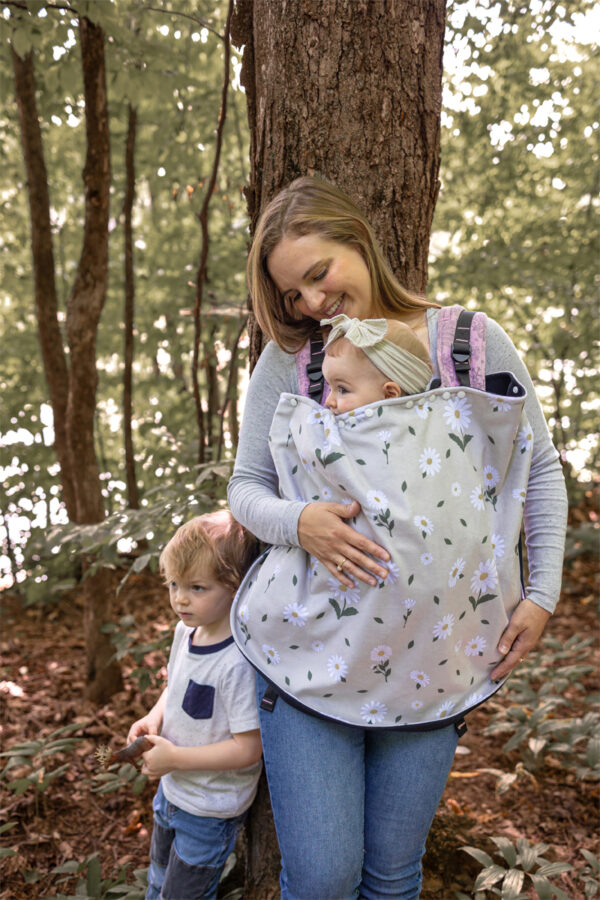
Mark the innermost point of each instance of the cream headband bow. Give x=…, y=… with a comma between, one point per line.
x=410, y=372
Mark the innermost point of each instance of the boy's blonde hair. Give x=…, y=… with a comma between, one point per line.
x=214, y=539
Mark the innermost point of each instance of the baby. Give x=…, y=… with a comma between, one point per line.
x=372, y=359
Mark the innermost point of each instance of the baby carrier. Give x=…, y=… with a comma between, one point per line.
x=441, y=479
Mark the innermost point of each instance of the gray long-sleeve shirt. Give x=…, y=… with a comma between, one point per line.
x=253, y=490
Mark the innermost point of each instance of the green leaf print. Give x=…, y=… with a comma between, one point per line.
x=378, y=620
x=361, y=462
x=483, y=598
x=327, y=460
x=309, y=675
x=295, y=580
x=403, y=486
x=380, y=410
x=343, y=611
x=461, y=443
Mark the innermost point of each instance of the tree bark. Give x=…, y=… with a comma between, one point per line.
x=132, y=490
x=46, y=300
x=359, y=104
x=350, y=90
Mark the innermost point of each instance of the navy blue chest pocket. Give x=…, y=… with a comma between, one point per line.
x=199, y=700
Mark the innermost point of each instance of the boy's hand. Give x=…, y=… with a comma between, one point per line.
x=161, y=759
x=149, y=724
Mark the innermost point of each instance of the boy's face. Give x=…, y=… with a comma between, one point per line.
x=353, y=379
x=201, y=601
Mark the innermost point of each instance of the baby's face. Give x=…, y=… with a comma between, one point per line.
x=353, y=380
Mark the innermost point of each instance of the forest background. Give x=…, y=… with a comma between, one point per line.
x=165, y=359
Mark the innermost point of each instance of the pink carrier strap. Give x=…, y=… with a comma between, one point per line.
x=446, y=335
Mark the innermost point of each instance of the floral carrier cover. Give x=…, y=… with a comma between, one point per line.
x=441, y=479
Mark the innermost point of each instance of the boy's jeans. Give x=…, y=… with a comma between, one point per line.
x=188, y=853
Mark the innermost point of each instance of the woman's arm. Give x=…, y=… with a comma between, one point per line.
x=253, y=490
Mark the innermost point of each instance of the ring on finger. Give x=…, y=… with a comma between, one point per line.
x=340, y=565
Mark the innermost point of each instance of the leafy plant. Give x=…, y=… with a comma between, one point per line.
x=518, y=862
x=91, y=885
x=119, y=776
x=590, y=874
x=33, y=756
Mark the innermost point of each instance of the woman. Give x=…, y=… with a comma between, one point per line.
x=352, y=808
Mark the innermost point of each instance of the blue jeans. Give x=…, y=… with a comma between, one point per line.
x=187, y=853
x=352, y=806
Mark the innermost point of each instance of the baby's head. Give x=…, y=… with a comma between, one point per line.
x=370, y=360
x=209, y=551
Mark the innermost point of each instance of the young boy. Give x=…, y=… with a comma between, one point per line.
x=208, y=754
x=370, y=360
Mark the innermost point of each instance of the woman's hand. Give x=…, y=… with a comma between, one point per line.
x=522, y=633
x=323, y=533
x=161, y=759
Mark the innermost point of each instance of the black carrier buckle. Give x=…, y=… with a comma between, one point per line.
x=461, y=727
x=314, y=368
x=269, y=699
x=461, y=347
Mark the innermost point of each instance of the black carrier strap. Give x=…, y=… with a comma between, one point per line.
x=461, y=347
x=314, y=372
x=269, y=698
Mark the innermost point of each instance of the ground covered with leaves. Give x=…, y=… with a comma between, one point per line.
x=66, y=821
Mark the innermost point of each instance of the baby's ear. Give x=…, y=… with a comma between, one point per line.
x=391, y=389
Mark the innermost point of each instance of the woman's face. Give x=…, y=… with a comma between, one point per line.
x=320, y=278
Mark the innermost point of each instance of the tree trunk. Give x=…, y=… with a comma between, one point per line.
x=46, y=301
x=132, y=491
x=359, y=104
x=350, y=90
x=84, y=307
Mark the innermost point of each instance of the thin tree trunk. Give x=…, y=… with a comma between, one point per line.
x=231, y=394
x=203, y=218
x=132, y=490
x=83, y=315
x=46, y=300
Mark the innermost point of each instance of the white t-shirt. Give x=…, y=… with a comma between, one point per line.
x=211, y=696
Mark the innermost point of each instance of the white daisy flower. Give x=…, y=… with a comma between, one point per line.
x=477, y=498
x=457, y=413
x=472, y=699
x=426, y=559
x=377, y=500
x=373, y=712
x=337, y=668
x=499, y=404
x=381, y=653
x=306, y=464
x=491, y=476
x=331, y=437
x=393, y=571
x=420, y=678
x=422, y=409
x=296, y=613
x=456, y=489
x=244, y=613
x=455, y=572
x=430, y=461
x=409, y=603
x=317, y=416
x=485, y=577
x=417, y=704
x=444, y=709
x=458, y=645
x=519, y=494
x=475, y=646
x=271, y=654
x=343, y=592
x=317, y=646
x=423, y=524
x=525, y=438
x=443, y=628
x=384, y=436
x=498, y=545
x=326, y=493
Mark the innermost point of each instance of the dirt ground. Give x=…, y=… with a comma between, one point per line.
x=41, y=688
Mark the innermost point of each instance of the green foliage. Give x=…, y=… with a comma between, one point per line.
x=32, y=758
x=506, y=879
x=515, y=231
x=91, y=886
x=534, y=694
x=118, y=777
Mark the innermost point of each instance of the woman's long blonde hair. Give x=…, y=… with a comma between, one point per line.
x=311, y=205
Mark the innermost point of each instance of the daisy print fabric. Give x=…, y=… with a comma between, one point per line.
x=440, y=478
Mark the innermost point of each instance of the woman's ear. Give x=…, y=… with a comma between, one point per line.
x=391, y=389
